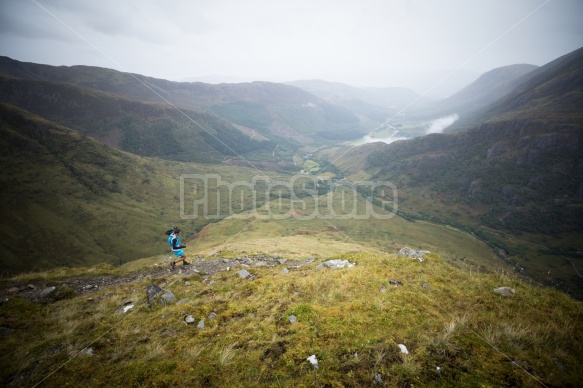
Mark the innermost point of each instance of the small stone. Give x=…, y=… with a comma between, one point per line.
x=280, y=261
x=189, y=319
x=124, y=309
x=395, y=283
x=168, y=297
x=212, y=282
x=337, y=264
x=151, y=291
x=403, y=349
x=183, y=301
x=244, y=274
x=284, y=271
x=320, y=267
x=292, y=319
x=378, y=379
x=88, y=352
x=383, y=289
x=13, y=290
x=212, y=316
x=313, y=360
x=425, y=285
x=31, y=287
x=47, y=291
x=504, y=291
x=200, y=324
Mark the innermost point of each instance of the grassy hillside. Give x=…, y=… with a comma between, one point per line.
x=456, y=329
x=67, y=199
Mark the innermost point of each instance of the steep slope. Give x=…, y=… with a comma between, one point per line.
x=67, y=199
x=551, y=92
x=488, y=88
x=515, y=179
x=146, y=129
x=280, y=112
x=525, y=160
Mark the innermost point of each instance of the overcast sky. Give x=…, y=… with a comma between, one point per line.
x=360, y=42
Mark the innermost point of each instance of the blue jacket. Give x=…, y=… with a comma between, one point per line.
x=174, y=242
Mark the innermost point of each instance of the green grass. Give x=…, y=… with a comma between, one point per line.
x=458, y=324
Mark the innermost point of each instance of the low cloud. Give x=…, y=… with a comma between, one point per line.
x=438, y=125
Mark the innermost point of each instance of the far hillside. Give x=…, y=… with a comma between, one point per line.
x=281, y=113
x=146, y=129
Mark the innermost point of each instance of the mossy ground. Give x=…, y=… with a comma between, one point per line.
x=458, y=323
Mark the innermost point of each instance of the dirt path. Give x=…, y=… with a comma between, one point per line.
x=85, y=285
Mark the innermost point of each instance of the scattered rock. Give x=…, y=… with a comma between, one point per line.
x=260, y=264
x=212, y=282
x=88, y=351
x=395, y=283
x=244, y=274
x=319, y=267
x=425, y=285
x=413, y=254
x=285, y=271
x=378, y=379
x=31, y=287
x=189, y=319
x=313, y=360
x=3, y=300
x=292, y=319
x=212, y=316
x=151, y=291
x=124, y=309
x=47, y=291
x=200, y=324
x=337, y=264
x=168, y=297
x=13, y=290
x=280, y=261
x=504, y=291
x=403, y=349
x=168, y=333
x=183, y=301
x=383, y=289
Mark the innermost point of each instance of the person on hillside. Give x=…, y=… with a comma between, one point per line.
x=174, y=241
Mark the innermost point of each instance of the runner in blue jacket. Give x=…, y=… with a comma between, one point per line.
x=174, y=242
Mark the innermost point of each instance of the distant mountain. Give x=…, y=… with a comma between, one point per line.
x=524, y=161
x=277, y=111
x=488, y=88
x=147, y=129
x=552, y=91
x=376, y=104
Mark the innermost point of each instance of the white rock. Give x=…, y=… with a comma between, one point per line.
x=338, y=264
x=403, y=349
x=189, y=319
x=313, y=360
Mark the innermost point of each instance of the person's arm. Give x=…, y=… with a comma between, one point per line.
x=175, y=245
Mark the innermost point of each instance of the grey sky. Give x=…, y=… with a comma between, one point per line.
x=360, y=42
